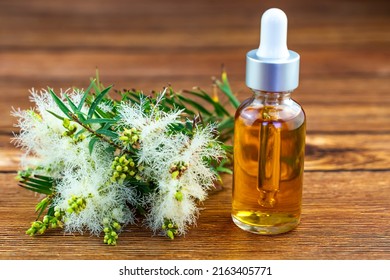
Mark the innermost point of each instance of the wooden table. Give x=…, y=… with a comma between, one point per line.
x=345, y=70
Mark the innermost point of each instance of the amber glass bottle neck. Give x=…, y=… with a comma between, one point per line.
x=272, y=97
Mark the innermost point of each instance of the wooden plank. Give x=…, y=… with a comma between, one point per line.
x=201, y=24
x=132, y=36
x=347, y=152
x=315, y=63
x=345, y=216
x=324, y=152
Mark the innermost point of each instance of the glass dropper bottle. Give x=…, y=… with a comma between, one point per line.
x=269, y=136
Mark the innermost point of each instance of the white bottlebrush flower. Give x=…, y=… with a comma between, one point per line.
x=40, y=134
x=90, y=180
x=106, y=107
x=161, y=151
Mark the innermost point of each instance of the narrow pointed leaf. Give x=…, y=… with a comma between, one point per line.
x=36, y=189
x=96, y=102
x=100, y=120
x=60, y=104
x=107, y=132
x=55, y=115
x=45, y=183
x=224, y=86
x=195, y=105
x=92, y=143
x=86, y=93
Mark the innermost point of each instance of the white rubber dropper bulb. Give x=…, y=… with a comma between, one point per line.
x=273, y=36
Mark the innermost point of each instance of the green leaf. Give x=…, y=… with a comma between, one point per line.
x=44, y=183
x=224, y=170
x=227, y=148
x=92, y=143
x=219, y=109
x=195, y=105
x=226, y=123
x=96, y=102
x=55, y=115
x=43, y=177
x=86, y=93
x=75, y=109
x=42, y=205
x=37, y=183
x=60, y=104
x=224, y=86
x=107, y=132
x=35, y=188
x=71, y=104
x=51, y=211
x=100, y=120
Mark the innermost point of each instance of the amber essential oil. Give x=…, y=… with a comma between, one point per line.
x=269, y=146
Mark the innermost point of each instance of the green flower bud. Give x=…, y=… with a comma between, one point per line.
x=179, y=196
x=119, y=168
x=124, y=138
x=134, y=138
x=36, y=225
x=116, y=225
x=42, y=230
x=66, y=123
x=170, y=234
x=175, y=174
x=46, y=219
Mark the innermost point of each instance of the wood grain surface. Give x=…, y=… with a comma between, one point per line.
x=344, y=89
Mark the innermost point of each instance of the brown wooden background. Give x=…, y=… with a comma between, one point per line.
x=345, y=71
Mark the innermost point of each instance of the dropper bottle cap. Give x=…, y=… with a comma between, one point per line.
x=272, y=67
